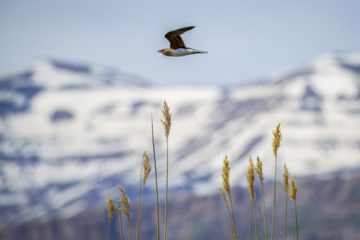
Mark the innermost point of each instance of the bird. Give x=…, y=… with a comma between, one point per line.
x=177, y=46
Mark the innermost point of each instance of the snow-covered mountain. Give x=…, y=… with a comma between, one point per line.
x=69, y=133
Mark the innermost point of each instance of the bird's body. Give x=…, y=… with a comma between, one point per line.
x=177, y=46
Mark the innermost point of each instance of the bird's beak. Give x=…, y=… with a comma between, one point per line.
x=159, y=51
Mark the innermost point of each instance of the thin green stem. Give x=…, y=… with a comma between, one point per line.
x=167, y=181
x=273, y=218
x=157, y=193
x=292, y=222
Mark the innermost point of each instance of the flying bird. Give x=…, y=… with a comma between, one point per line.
x=177, y=46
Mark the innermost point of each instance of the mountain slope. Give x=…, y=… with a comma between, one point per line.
x=70, y=133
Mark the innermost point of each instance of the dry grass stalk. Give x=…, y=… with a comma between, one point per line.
x=286, y=176
x=277, y=137
x=156, y=184
x=226, y=185
x=251, y=178
x=125, y=208
x=256, y=232
x=226, y=175
x=293, y=191
x=146, y=168
x=223, y=196
x=139, y=208
x=259, y=171
x=167, y=124
x=250, y=219
x=120, y=222
x=276, y=141
x=111, y=208
x=261, y=221
x=111, y=211
x=167, y=119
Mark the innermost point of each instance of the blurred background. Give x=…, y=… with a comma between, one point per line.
x=79, y=81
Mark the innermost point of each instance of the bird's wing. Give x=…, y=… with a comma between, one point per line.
x=175, y=39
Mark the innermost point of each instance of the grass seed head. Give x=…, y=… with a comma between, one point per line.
x=146, y=167
x=277, y=137
x=259, y=170
x=293, y=189
x=167, y=119
x=251, y=178
x=286, y=176
x=223, y=196
x=111, y=208
x=125, y=201
x=226, y=175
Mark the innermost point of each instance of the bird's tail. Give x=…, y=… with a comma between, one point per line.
x=198, y=51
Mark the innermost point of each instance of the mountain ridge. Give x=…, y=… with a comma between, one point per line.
x=61, y=146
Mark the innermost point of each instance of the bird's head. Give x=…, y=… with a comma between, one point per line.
x=161, y=51
x=167, y=51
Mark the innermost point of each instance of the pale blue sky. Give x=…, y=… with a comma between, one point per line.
x=246, y=40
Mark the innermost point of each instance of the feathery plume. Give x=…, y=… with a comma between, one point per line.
x=167, y=125
x=111, y=208
x=277, y=137
x=293, y=189
x=125, y=201
x=226, y=184
x=259, y=170
x=226, y=175
x=286, y=176
x=125, y=208
x=251, y=178
x=167, y=119
x=146, y=167
x=223, y=196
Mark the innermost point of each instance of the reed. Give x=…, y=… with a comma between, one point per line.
x=111, y=211
x=277, y=137
x=139, y=209
x=293, y=191
x=125, y=208
x=167, y=124
x=286, y=176
x=223, y=196
x=251, y=178
x=259, y=171
x=261, y=221
x=120, y=222
x=226, y=184
x=156, y=184
x=146, y=169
